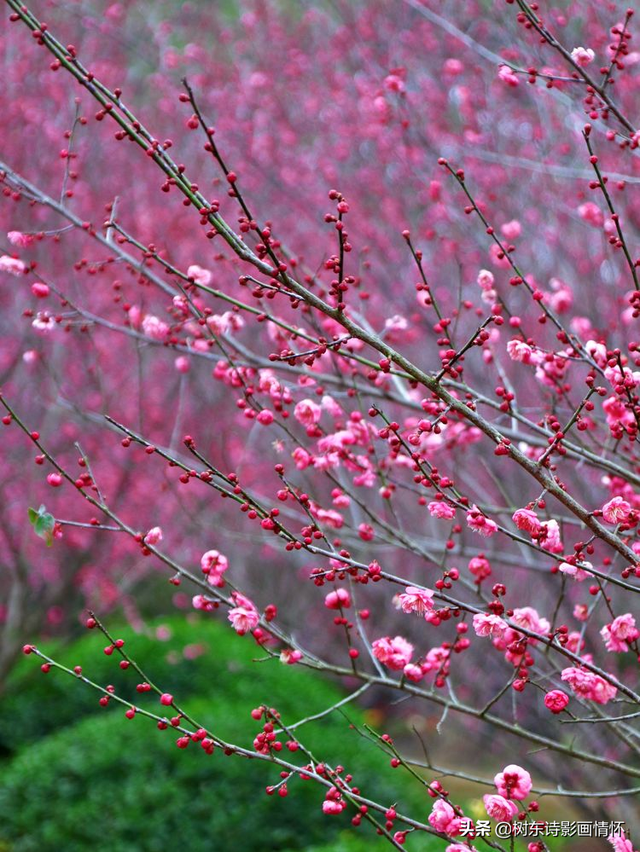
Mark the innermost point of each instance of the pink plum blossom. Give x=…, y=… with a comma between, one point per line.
x=243, y=619
x=307, y=412
x=486, y=279
x=289, y=657
x=11, y=265
x=338, y=599
x=588, y=685
x=620, y=843
x=518, y=350
x=413, y=672
x=479, y=523
x=440, y=509
x=416, y=600
x=154, y=536
x=200, y=276
x=394, y=653
x=556, y=700
x=499, y=808
x=528, y=618
x=582, y=56
x=443, y=818
x=513, y=782
x=154, y=327
x=620, y=633
x=550, y=536
x=508, y=76
x=578, y=572
x=214, y=564
x=17, y=238
x=527, y=520
x=511, y=230
x=488, y=624
x=591, y=213
x=616, y=510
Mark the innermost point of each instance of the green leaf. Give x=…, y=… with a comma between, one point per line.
x=43, y=523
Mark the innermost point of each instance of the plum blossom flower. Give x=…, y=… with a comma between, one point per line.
x=582, y=56
x=561, y=299
x=329, y=517
x=301, y=458
x=550, y=537
x=199, y=275
x=488, y=624
x=556, y=700
x=440, y=509
x=394, y=83
x=413, y=672
x=43, y=322
x=508, y=76
x=214, y=564
x=394, y=326
x=518, y=350
x=527, y=520
x=443, y=818
x=17, y=238
x=616, y=511
x=225, y=323
x=528, y=618
x=598, y=352
x=592, y=214
x=589, y=685
x=619, y=633
x=513, y=782
x=154, y=536
x=394, y=653
x=331, y=806
x=624, y=627
x=480, y=567
x=620, y=843
x=578, y=572
x=154, y=327
x=11, y=265
x=290, y=657
x=499, y=808
x=436, y=659
x=307, y=412
x=416, y=600
x=338, y=599
x=340, y=499
x=480, y=523
x=616, y=412
x=581, y=612
x=202, y=603
x=329, y=404
x=366, y=532
x=244, y=618
x=453, y=66
x=485, y=279
x=498, y=258
x=511, y=230
x=575, y=643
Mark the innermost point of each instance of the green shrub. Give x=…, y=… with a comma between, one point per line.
x=102, y=780
x=30, y=697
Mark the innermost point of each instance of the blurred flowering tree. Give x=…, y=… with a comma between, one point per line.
x=345, y=337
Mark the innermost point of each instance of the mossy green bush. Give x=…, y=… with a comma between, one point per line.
x=81, y=777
